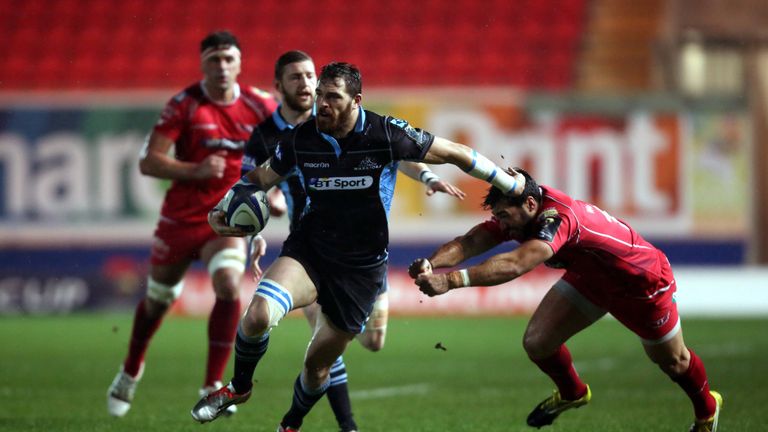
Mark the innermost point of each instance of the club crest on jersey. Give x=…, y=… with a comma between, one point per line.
x=367, y=164
x=661, y=321
x=398, y=122
x=340, y=183
x=278, y=153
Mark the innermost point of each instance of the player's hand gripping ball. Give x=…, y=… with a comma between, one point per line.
x=246, y=208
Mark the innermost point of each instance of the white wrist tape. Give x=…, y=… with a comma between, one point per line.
x=428, y=177
x=484, y=169
x=464, y=277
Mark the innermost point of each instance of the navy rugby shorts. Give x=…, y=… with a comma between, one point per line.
x=346, y=294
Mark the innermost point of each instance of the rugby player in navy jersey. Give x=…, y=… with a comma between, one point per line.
x=295, y=82
x=337, y=253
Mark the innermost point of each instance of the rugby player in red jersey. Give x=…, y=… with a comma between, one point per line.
x=207, y=125
x=608, y=266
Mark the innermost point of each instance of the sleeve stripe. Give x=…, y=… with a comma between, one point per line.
x=492, y=176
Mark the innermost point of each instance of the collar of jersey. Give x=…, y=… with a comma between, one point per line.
x=358, y=129
x=279, y=120
x=236, y=94
x=281, y=123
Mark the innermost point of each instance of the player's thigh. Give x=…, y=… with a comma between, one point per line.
x=291, y=276
x=169, y=274
x=310, y=312
x=562, y=313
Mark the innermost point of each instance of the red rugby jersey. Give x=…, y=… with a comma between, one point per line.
x=199, y=127
x=584, y=237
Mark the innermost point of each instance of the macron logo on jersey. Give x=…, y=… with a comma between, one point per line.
x=341, y=183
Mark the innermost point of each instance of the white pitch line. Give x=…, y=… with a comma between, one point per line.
x=386, y=392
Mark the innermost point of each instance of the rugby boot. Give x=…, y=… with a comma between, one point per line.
x=205, y=391
x=120, y=393
x=214, y=404
x=547, y=411
x=710, y=424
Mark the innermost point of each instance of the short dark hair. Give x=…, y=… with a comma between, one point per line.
x=217, y=39
x=346, y=71
x=495, y=195
x=288, y=57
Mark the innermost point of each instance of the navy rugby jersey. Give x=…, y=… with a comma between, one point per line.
x=260, y=147
x=350, y=183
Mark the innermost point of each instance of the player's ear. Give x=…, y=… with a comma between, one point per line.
x=358, y=98
x=530, y=203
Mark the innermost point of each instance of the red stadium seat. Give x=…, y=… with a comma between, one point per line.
x=154, y=44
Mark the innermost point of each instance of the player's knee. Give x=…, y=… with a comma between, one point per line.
x=373, y=340
x=155, y=309
x=226, y=268
x=162, y=294
x=255, y=321
x=674, y=364
x=537, y=346
x=226, y=284
x=271, y=302
x=376, y=328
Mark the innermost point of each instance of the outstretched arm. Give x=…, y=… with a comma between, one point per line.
x=456, y=251
x=493, y=271
x=475, y=164
x=421, y=173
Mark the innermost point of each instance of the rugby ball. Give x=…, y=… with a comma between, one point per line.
x=246, y=208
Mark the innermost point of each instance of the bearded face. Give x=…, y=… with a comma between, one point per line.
x=297, y=86
x=335, y=108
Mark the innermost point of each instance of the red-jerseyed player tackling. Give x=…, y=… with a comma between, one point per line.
x=609, y=268
x=207, y=125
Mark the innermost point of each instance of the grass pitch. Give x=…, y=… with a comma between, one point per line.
x=54, y=372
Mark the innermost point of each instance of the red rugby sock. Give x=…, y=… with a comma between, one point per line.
x=144, y=327
x=559, y=367
x=696, y=385
x=222, y=327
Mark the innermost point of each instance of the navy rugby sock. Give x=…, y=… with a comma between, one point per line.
x=248, y=352
x=303, y=401
x=338, y=396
